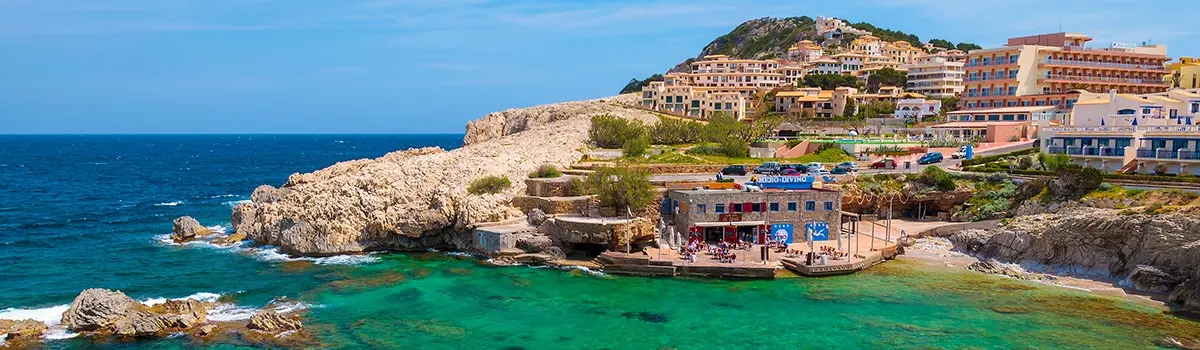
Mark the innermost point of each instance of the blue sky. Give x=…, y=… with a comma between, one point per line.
x=415, y=66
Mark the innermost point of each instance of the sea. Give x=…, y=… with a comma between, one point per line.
x=80, y=212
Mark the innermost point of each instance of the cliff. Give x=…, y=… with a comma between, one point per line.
x=416, y=199
x=1148, y=252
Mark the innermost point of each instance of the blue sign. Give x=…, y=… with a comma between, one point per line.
x=782, y=233
x=819, y=231
x=970, y=153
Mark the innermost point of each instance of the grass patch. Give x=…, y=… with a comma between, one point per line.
x=546, y=171
x=489, y=185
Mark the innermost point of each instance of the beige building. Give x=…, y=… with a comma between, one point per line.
x=868, y=45
x=805, y=51
x=813, y=102
x=902, y=51
x=1049, y=69
x=691, y=101
x=715, y=84
x=936, y=76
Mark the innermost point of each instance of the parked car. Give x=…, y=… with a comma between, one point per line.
x=960, y=153
x=790, y=172
x=839, y=170
x=817, y=170
x=739, y=170
x=767, y=168
x=849, y=167
x=930, y=158
x=816, y=165
x=886, y=163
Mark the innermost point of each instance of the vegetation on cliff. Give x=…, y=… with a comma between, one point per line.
x=489, y=185
x=636, y=85
x=620, y=187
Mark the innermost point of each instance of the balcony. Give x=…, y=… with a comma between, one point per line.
x=1075, y=150
x=1087, y=79
x=1056, y=150
x=1103, y=64
x=1112, y=152
x=1189, y=155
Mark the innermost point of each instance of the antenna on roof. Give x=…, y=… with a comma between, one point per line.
x=1060, y=27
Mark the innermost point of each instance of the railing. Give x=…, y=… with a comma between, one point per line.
x=1112, y=152
x=1187, y=128
x=1074, y=150
x=1192, y=155
x=1103, y=64
x=1091, y=151
x=1103, y=79
x=1167, y=154
x=1056, y=150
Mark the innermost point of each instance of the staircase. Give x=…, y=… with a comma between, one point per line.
x=1129, y=168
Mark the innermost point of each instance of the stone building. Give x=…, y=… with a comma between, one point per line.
x=730, y=215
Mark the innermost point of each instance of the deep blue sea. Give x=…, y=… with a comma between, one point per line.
x=81, y=212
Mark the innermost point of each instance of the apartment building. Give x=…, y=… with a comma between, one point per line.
x=1188, y=71
x=851, y=62
x=794, y=72
x=902, y=51
x=1145, y=133
x=936, y=76
x=1051, y=69
x=826, y=65
x=715, y=84
x=805, y=51
x=696, y=102
x=868, y=45
x=813, y=102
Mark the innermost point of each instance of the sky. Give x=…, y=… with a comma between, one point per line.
x=426, y=66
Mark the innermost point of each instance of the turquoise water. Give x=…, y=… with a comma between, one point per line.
x=70, y=223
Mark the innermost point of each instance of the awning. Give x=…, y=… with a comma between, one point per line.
x=732, y=223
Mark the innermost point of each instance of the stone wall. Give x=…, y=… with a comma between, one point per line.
x=555, y=187
x=557, y=205
x=612, y=233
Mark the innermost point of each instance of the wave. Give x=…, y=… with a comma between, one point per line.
x=223, y=196
x=235, y=203
x=265, y=253
x=169, y=204
x=220, y=312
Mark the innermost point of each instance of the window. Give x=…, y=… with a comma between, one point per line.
x=1195, y=107
x=756, y=208
x=1041, y=102
x=1009, y=117
x=994, y=117
x=971, y=92
x=1012, y=103
x=1055, y=102
x=729, y=106
x=1145, y=111
x=828, y=205
x=719, y=208
x=1021, y=117
x=1174, y=113
x=695, y=103
x=1126, y=111
x=735, y=208
x=792, y=206
x=810, y=205
x=701, y=208
x=985, y=104
x=970, y=105
x=774, y=207
x=1012, y=90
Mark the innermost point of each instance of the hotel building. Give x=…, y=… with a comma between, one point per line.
x=1146, y=133
x=805, y=51
x=1050, y=69
x=936, y=76
x=715, y=84
x=813, y=102
x=1188, y=69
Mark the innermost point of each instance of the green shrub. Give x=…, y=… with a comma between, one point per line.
x=735, y=148
x=1074, y=181
x=936, y=177
x=545, y=171
x=706, y=150
x=613, y=132
x=636, y=146
x=794, y=142
x=620, y=188
x=672, y=131
x=988, y=159
x=489, y=185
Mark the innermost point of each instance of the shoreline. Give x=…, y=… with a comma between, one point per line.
x=956, y=260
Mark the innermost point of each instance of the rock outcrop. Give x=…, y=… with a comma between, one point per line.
x=113, y=312
x=269, y=321
x=1154, y=253
x=22, y=330
x=416, y=199
x=186, y=228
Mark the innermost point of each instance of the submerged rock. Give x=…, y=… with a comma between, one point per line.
x=997, y=268
x=271, y=322
x=186, y=228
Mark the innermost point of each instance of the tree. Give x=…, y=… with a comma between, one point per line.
x=949, y=104
x=875, y=109
x=1176, y=78
x=636, y=146
x=489, y=185
x=945, y=44
x=886, y=77
x=620, y=188
x=967, y=47
x=851, y=108
x=831, y=81
x=635, y=85
x=608, y=131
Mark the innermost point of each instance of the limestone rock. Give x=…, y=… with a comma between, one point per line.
x=235, y=238
x=101, y=310
x=186, y=228
x=94, y=309
x=536, y=217
x=206, y=330
x=997, y=268
x=23, y=330
x=271, y=322
x=1151, y=279
x=416, y=199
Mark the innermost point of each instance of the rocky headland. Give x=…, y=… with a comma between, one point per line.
x=1155, y=253
x=417, y=199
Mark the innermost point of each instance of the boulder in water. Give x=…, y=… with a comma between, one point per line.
x=270, y=321
x=22, y=330
x=106, y=311
x=186, y=228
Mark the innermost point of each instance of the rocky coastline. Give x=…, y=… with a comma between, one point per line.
x=1156, y=254
x=416, y=199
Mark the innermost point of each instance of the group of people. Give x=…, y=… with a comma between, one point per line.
x=723, y=251
x=833, y=253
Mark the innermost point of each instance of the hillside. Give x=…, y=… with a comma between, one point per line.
x=769, y=38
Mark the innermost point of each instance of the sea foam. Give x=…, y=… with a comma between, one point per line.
x=168, y=204
x=264, y=253
x=235, y=203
